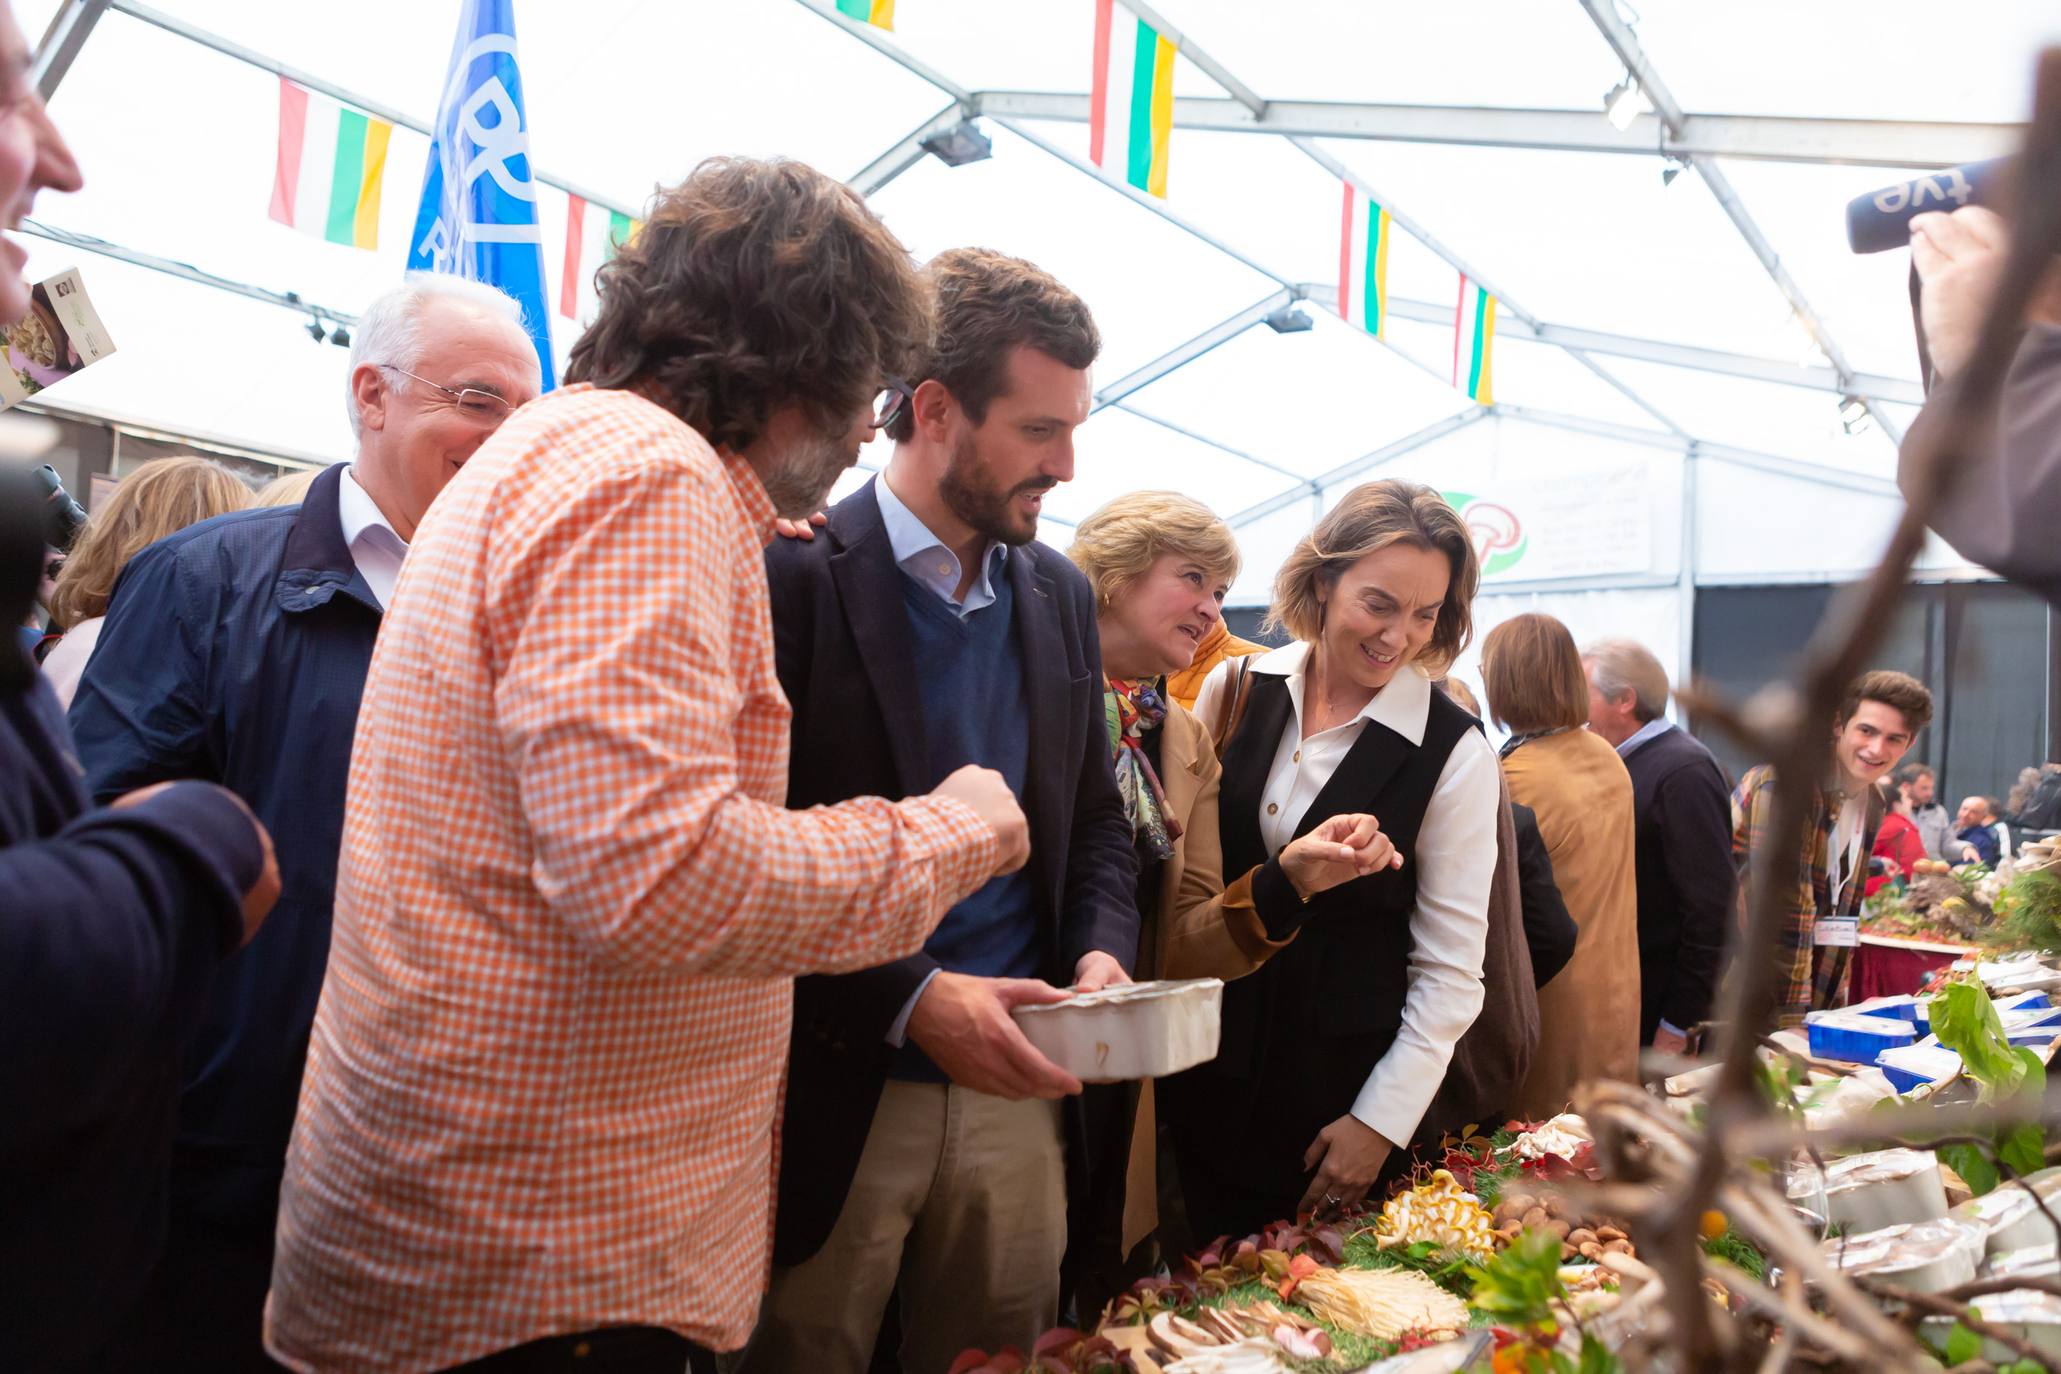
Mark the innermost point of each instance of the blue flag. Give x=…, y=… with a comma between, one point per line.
x=479, y=201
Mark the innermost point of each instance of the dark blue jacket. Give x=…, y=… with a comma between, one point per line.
x=110, y=922
x=236, y=651
x=846, y=658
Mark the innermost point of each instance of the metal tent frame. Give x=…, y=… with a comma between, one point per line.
x=1669, y=133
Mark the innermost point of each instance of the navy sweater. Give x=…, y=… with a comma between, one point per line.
x=970, y=673
x=110, y=924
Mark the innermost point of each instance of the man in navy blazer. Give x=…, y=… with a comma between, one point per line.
x=924, y=628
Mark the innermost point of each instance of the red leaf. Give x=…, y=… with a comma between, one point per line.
x=969, y=1362
x=1058, y=1338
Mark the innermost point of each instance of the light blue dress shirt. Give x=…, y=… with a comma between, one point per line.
x=923, y=556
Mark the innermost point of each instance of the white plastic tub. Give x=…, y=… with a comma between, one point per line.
x=1134, y=1030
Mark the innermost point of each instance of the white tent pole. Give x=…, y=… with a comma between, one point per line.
x=1688, y=356
x=906, y=154
x=1207, y=65
x=1316, y=486
x=1685, y=596
x=1129, y=408
x=1765, y=138
x=1184, y=353
x=67, y=32
x=1626, y=45
x=1796, y=469
x=250, y=56
x=186, y=271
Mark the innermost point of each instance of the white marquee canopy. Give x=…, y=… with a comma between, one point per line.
x=1680, y=322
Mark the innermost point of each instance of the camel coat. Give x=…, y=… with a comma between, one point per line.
x=1198, y=930
x=1589, y=1013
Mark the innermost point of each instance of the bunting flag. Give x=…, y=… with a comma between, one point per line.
x=478, y=215
x=879, y=13
x=1474, y=339
x=331, y=164
x=585, y=252
x=1363, y=263
x=1131, y=106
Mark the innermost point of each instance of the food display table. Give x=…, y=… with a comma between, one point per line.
x=1885, y=966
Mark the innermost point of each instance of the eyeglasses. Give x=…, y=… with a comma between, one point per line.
x=888, y=406
x=481, y=407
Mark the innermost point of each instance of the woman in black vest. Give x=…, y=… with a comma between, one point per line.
x=1333, y=1050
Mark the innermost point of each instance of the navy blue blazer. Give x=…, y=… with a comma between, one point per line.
x=110, y=923
x=843, y=649
x=236, y=651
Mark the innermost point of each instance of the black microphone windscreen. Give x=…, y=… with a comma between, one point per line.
x=1881, y=220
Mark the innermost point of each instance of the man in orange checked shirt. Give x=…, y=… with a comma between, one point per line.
x=538, y=1124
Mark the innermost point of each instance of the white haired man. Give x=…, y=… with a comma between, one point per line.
x=236, y=651
x=1683, y=839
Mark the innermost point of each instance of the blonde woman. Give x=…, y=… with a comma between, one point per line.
x=287, y=489
x=1160, y=564
x=159, y=498
x=1574, y=781
x=1333, y=1051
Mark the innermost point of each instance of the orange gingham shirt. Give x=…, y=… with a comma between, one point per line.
x=542, y=1090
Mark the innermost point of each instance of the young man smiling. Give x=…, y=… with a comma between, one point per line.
x=925, y=1148
x=1877, y=723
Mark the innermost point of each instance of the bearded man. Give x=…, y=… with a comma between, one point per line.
x=925, y=1145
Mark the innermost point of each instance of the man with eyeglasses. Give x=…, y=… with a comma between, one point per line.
x=236, y=651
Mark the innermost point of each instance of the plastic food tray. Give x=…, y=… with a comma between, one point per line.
x=1855, y=1037
x=1134, y=1030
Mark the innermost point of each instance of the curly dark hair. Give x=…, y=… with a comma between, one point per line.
x=986, y=304
x=755, y=285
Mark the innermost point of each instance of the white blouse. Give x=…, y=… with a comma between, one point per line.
x=1455, y=862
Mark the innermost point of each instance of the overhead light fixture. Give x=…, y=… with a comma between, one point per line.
x=316, y=331
x=1288, y=320
x=1621, y=104
x=341, y=337
x=960, y=144
x=1854, y=415
x=1673, y=169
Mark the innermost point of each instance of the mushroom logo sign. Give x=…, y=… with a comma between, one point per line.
x=1499, y=537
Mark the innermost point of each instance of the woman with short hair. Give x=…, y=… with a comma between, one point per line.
x=1160, y=564
x=1333, y=1051
x=160, y=498
x=1577, y=786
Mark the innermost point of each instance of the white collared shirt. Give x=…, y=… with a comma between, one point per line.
x=1455, y=861
x=923, y=555
x=375, y=547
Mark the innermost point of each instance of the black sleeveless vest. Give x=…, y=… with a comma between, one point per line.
x=1301, y=1034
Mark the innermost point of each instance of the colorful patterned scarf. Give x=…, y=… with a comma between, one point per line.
x=1129, y=710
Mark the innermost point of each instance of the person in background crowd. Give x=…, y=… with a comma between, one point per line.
x=236, y=651
x=1549, y=932
x=1333, y=1051
x=1975, y=832
x=111, y=922
x=1184, y=686
x=287, y=489
x=1159, y=564
x=159, y=498
x=1915, y=784
x=1897, y=844
x=1683, y=840
x=544, y=1078
x=922, y=1146
x=1876, y=723
x=34, y=623
x=2004, y=502
x=2041, y=810
x=1531, y=673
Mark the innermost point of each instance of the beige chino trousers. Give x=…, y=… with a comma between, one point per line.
x=960, y=1202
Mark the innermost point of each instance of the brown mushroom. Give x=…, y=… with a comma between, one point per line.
x=1617, y=1247
x=1582, y=1235
x=1535, y=1219
x=1610, y=1233
x=1559, y=1227
x=1591, y=1251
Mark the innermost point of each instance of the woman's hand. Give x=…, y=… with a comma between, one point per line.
x=1347, y=1155
x=1341, y=849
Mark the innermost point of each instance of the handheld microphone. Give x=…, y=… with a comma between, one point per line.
x=1881, y=220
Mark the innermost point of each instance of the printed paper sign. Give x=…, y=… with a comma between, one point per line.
x=61, y=334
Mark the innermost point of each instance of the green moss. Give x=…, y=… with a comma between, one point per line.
x=1738, y=1250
